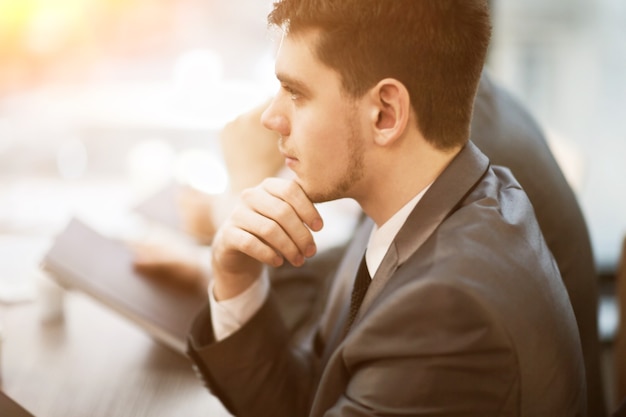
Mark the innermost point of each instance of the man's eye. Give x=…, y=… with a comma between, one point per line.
x=293, y=93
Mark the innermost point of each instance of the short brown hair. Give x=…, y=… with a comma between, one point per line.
x=436, y=48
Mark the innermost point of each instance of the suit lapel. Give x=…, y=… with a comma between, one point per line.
x=444, y=195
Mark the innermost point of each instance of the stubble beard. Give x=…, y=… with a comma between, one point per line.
x=352, y=174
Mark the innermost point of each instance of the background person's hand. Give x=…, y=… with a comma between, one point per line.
x=250, y=150
x=178, y=270
x=198, y=212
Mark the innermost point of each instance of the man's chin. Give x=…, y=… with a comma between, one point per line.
x=317, y=196
x=311, y=192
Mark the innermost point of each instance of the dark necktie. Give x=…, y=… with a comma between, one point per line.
x=361, y=284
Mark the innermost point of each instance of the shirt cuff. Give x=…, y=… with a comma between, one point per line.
x=228, y=316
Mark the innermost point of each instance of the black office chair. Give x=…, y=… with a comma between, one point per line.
x=619, y=354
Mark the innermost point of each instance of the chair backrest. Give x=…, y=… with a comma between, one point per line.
x=619, y=352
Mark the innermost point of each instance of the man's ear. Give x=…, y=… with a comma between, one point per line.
x=391, y=108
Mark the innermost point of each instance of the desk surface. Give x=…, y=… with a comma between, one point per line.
x=95, y=363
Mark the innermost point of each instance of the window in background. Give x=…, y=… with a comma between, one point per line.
x=566, y=60
x=104, y=75
x=95, y=93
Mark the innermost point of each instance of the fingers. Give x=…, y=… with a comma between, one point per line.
x=288, y=217
x=291, y=193
x=274, y=221
x=245, y=242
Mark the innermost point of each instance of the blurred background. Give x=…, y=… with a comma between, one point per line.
x=103, y=102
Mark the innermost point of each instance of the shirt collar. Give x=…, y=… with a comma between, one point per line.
x=381, y=238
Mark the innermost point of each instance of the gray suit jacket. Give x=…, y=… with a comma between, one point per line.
x=467, y=316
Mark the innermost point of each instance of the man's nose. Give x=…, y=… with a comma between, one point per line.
x=275, y=120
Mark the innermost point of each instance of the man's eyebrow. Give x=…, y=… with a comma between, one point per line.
x=293, y=83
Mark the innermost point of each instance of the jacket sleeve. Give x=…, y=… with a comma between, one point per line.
x=256, y=371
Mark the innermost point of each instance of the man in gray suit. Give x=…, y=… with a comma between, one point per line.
x=465, y=313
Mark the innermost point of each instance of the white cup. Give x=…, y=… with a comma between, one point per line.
x=50, y=297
